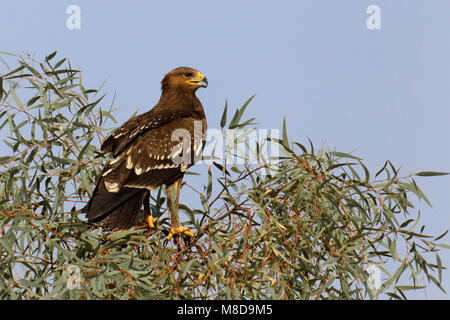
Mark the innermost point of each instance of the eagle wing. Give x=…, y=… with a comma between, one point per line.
x=145, y=157
x=136, y=126
x=158, y=156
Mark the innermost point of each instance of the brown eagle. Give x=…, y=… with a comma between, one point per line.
x=150, y=150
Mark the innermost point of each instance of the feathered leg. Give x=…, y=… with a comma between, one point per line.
x=173, y=194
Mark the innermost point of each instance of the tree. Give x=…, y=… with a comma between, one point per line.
x=320, y=226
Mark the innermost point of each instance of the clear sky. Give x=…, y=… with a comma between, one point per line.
x=381, y=93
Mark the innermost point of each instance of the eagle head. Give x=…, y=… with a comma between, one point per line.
x=184, y=78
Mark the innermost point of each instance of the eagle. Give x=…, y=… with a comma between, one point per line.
x=151, y=150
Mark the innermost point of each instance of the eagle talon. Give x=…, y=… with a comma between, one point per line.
x=183, y=230
x=151, y=222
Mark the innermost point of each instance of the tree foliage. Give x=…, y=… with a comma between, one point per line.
x=309, y=230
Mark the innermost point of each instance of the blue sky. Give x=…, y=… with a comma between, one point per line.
x=381, y=93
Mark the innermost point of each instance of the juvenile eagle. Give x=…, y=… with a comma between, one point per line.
x=150, y=150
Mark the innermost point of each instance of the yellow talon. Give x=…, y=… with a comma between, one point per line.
x=151, y=222
x=184, y=230
x=189, y=233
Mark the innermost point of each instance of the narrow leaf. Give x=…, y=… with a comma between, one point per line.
x=431, y=173
x=223, y=121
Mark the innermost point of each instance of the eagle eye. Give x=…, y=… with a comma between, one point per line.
x=188, y=74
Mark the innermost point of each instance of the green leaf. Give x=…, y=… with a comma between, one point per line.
x=68, y=71
x=344, y=155
x=187, y=267
x=88, y=143
x=33, y=70
x=366, y=172
x=4, y=159
x=404, y=224
x=56, y=90
x=16, y=98
x=431, y=173
x=397, y=274
x=223, y=120
x=33, y=100
x=209, y=186
x=125, y=234
x=191, y=173
x=238, y=114
x=405, y=288
x=441, y=236
x=59, y=63
x=439, y=265
x=23, y=75
x=13, y=71
x=381, y=170
x=285, y=141
x=414, y=234
x=1, y=88
x=51, y=56
x=411, y=186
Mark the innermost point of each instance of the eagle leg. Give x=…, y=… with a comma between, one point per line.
x=150, y=220
x=172, y=194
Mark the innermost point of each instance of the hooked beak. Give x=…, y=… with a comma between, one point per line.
x=204, y=82
x=200, y=80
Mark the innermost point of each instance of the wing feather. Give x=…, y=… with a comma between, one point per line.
x=156, y=157
x=124, y=136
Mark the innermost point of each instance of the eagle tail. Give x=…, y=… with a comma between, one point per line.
x=118, y=210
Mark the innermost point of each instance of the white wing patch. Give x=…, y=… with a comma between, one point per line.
x=138, y=170
x=112, y=186
x=129, y=164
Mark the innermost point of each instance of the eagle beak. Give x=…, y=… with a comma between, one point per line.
x=204, y=82
x=200, y=81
